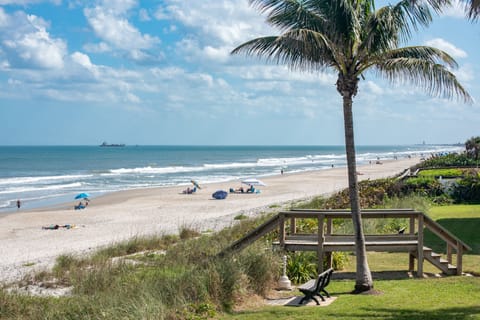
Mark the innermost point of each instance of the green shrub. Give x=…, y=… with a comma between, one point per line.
x=301, y=266
x=339, y=260
x=467, y=189
x=449, y=160
x=424, y=186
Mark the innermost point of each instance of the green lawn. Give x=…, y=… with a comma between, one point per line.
x=446, y=298
x=433, y=298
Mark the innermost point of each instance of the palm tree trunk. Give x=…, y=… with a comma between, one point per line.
x=363, y=281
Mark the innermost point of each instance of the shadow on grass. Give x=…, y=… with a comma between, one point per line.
x=376, y=275
x=457, y=313
x=464, y=229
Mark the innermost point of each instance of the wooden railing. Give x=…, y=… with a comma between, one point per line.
x=324, y=240
x=411, y=240
x=253, y=235
x=453, y=243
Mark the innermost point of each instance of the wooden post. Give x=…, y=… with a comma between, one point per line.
x=459, y=258
x=411, y=262
x=293, y=226
x=449, y=253
x=329, y=226
x=320, y=243
x=281, y=231
x=329, y=260
x=420, y=246
x=412, y=225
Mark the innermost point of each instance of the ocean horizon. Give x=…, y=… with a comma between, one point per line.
x=42, y=176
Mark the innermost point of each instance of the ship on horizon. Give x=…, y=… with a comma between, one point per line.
x=105, y=144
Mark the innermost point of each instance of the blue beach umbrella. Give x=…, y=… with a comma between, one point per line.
x=82, y=195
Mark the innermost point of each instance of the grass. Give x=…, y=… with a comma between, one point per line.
x=445, y=173
x=464, y=222
x=445, y=298
x=240, y=217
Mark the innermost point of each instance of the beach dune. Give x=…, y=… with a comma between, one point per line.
x=25, y=246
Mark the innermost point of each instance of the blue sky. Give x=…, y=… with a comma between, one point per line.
x=159, y=72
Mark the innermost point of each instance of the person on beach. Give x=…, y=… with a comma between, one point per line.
x=19, y=204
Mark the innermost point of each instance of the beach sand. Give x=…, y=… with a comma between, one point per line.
x=118, y=216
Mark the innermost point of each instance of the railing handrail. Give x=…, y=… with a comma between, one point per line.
x=336, y=213
x=430, y=224
x=253, y=235
x=443, y=233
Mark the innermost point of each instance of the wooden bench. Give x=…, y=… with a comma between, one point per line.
x=316, y=287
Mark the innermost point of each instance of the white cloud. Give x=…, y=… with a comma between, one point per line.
x=282, y=73
x=100, y=47
x=465, y=73
x=26, y=2
x=373, y=88
x=216, y=26
x=118, y=7
x=217, y=54
x=27, y=44
x=447, y=47
x=4, y=18
x=109, y=22
x=456, y=10
x=82, y=59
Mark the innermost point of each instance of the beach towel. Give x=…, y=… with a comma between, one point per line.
x=57, y=226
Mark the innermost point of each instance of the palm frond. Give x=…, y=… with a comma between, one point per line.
x=293, y=14
x=430, y=54
x=410, y=15
x=473, y=11
x=433, y=77
x=299, y=49
x=380, y=33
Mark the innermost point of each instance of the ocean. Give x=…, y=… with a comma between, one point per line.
x=48, y=175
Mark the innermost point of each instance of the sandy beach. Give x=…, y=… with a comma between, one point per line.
x=26, y=247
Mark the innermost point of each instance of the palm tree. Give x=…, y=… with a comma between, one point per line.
x=351, y=37
x=473, y=10
x=472, y=147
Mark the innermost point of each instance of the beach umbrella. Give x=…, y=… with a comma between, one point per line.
x=195, y=183
x=253, y=182
x=82, y=195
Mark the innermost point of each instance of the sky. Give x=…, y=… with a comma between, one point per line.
x=160, y=72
